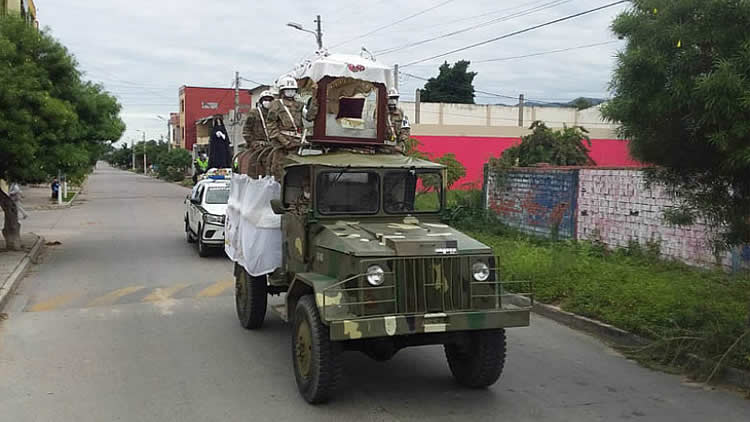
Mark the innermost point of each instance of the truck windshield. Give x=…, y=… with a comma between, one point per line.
x=412, y=191
x=348, y=192
x=217, y=195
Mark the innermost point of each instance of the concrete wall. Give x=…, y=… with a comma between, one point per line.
x=612, y=206
x=535, y=202
x=500, y=120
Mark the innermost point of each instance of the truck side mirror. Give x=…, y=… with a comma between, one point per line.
x=195, y=201
x=278, y=207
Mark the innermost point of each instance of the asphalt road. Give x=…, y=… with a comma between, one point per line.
x=123, y=321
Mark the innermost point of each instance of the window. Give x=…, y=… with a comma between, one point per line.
x=217, y=195
x=182, y=105
x=412, y=191
x=296, y=185
x=345, y=192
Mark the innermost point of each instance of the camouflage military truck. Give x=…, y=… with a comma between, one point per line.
x=367, y=264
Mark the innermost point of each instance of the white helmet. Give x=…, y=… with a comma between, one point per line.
x=393, y=93
x=266, y=93
x=287, y=82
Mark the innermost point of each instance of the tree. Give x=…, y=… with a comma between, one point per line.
x=681, y=92
x=173, y=164
x=563, y=147
x=454, y=84
x=581, y=103
x=51, y=120
x=455, y=169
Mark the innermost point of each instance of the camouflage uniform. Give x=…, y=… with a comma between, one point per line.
x=256, y=138
x=398, y=129
x=285, y=126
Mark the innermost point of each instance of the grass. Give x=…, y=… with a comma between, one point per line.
x=685, y=310
x=69, y=196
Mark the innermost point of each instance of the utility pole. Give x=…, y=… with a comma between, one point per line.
x=236, y=120
x=520, y=110
x=417, y=105
x=319, y=33
x=395, y=76
x=132, y=150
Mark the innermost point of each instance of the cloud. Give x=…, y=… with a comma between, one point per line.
x=143, y=51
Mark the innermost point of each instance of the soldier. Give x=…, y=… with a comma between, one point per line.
x=256, y=137
x=398, y=131
x=285, y=124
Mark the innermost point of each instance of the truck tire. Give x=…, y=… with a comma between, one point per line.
x=250, y=299
x=317, y=359
x=203, y=250
x=188, y=235
x=478, y=362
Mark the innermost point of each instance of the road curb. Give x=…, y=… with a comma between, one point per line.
x=12, y=282
x=620, y=337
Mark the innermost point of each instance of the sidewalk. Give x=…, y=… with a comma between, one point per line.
x=14, y=264
x=38, y=197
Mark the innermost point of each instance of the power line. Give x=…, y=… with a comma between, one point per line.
x=514, y=33
x=542, y=53
x=493, y=21
x=493, y=94
x=378, y=29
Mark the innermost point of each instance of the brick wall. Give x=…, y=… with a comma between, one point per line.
x=613, y=206
x=535, y=201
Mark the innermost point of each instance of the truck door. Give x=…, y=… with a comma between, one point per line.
x=297, y=199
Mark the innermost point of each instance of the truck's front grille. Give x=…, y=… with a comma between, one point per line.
x=431, y=284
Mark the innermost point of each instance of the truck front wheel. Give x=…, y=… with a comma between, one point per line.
x=478, y=361
x=317, y=359
x=250, y=298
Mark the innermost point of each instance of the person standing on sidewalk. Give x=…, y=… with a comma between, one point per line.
x=15, y=195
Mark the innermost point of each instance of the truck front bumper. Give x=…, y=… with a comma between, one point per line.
x=398, y=325
x=213, y=234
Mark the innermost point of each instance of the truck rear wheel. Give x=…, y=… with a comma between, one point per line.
x=250, y=298
x=317, y=359
x=478, y=361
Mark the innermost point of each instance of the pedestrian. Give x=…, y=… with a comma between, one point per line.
x=398, y=128
x=15, y=195
x=55, y=186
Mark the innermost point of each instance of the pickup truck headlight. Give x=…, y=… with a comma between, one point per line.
x=375, y=275
x=480, y=271
x=214, y=219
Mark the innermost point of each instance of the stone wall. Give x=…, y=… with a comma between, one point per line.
x=535, y=201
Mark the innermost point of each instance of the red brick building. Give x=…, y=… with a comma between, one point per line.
x=199, y=102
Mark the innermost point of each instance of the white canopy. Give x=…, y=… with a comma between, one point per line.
x=345, y=65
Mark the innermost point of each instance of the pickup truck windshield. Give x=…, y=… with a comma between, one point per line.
x=412, y=191
x=218, y=195
x=348, y=192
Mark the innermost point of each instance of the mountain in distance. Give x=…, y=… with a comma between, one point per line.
x=579, y=103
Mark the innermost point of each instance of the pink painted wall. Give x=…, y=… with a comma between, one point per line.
x=473, y=152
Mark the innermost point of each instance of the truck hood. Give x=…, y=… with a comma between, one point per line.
x=216, y=209
x=397, y=239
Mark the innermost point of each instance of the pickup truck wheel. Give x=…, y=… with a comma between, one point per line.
x=317, y=359
x=203, y=250
x=478, y=361
x=188, y=235
x=250, y=298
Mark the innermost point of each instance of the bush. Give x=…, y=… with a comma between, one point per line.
x=172, y=165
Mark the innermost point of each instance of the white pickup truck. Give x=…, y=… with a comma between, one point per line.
x=205, y=214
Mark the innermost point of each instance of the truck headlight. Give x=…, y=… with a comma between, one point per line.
x=480, y=271
x=375, y=275
x=214, y=219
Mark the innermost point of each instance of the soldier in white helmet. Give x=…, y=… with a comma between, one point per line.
x=255, y=132
x=285, y=123
x=398, y=130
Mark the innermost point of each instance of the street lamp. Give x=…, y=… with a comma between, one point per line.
x=169, y=132
x=144, y=151
x=318, y=34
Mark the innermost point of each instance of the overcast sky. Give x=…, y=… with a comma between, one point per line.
x=142, y=51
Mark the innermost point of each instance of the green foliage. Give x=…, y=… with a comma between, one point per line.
x=563, y=147
x=172, y=165
x=121, y=157
x=51, y=120
x=581, y=103
x=682, y=94
x=455, y=169
x=412, y=149
x=683, y=309
x=454, y=84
